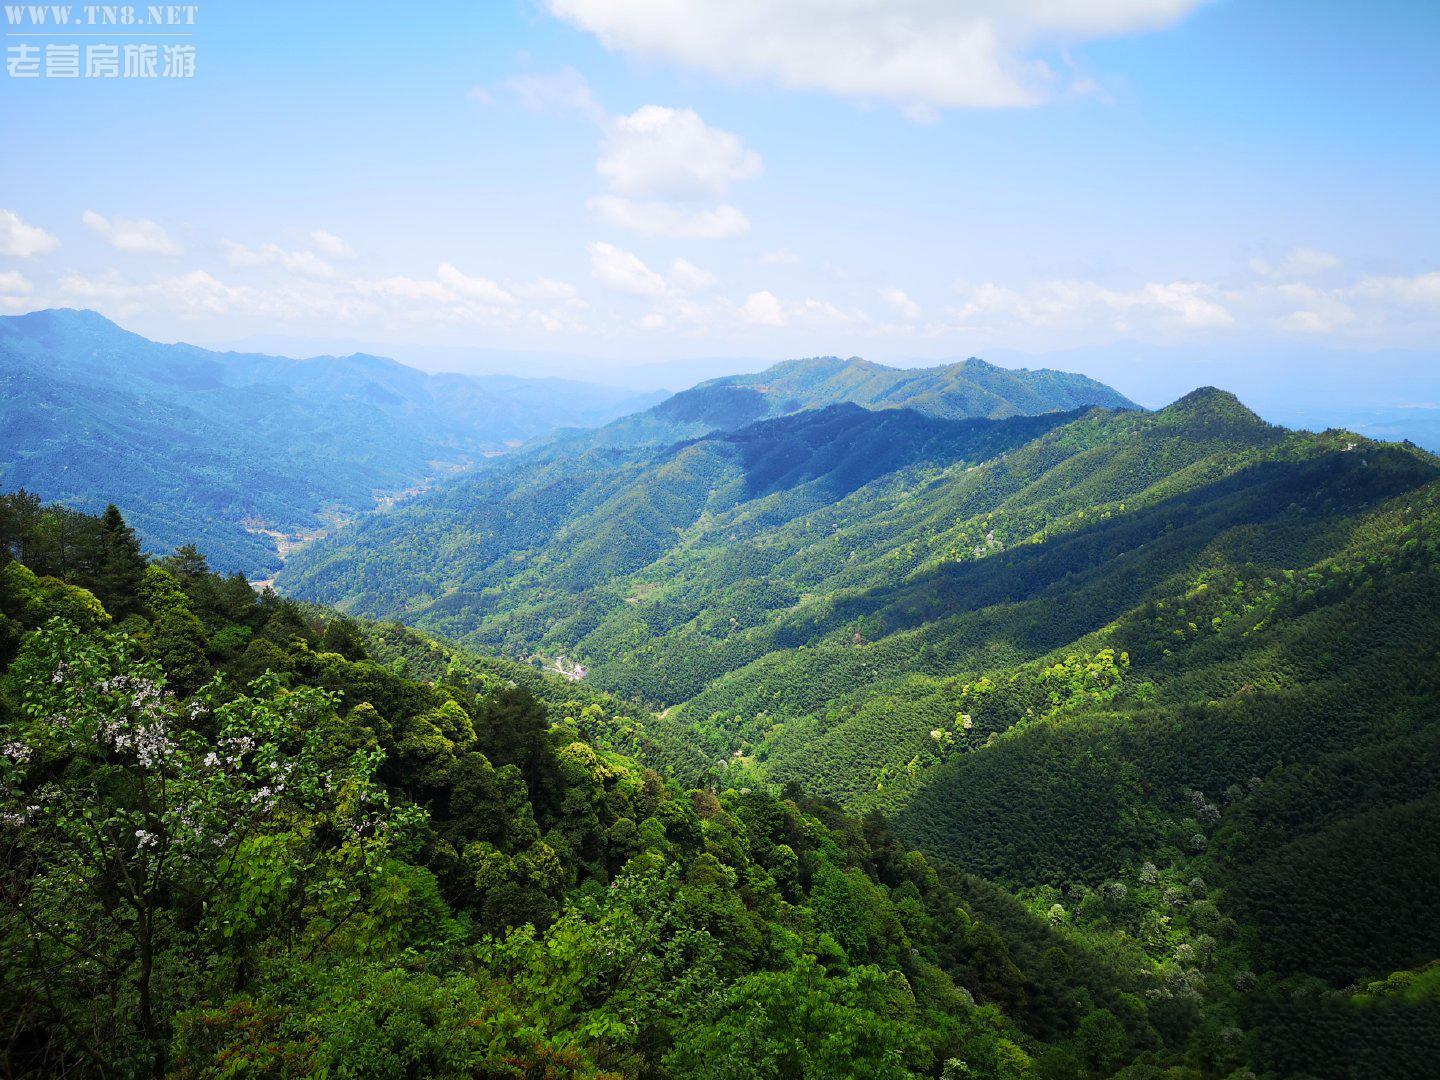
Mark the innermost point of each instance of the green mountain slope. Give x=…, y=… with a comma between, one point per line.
x=767, y=581
x=197, y=445
x=242, y=839
x=1169, y=756
x=507, y=555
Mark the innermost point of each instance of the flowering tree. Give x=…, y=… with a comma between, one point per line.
x=152, y=844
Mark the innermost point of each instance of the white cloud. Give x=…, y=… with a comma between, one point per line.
x=1300, y=262
x=22, y=241
x=300, y=262
x=779, y=257
x=688, y=277
x=900, y=303
x=400, y=287
x=657, y=152
x=667, y=170
x=920, y=54
x=1371, y=304
x=667, y=219
x=764, y=309
x=564, y=92
x=138, y=236
x=624, y=271
x=331, y=244
x=1316, y=322
x=480, y=289
x=1422, y=290
x=190, y=295
x=1187, y=304
x=546, y=289
x=15, y=291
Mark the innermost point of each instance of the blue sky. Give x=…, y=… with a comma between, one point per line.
x=667, y=178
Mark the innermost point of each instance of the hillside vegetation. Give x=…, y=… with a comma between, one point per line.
x=1170, y=680
x=1088, y=744
x=240, y=841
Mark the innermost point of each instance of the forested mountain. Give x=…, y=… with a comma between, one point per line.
x=238, y=843
x=777, y=569
x=210, y=448
x=1172, y=679
x=549, y=532
x=971, y=388
x=1156, y=697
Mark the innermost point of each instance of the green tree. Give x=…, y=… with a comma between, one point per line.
x=799, y=1022
x=140, y=854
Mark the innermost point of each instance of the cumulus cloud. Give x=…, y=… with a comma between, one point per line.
x=1421, y=290
x=331, y=244
x=546, y=289
x=22, y=241
x=625, y=272
x=656, y=152
x=688, y=277
x=920, y=54
x=449, y=296
x=481, y=289
x=760, y=311
x=654, y=218
x=764, y=309
x=900, y=303
x=1367, y=305
x=667, y=171
x=137, y=236
x=189, y=295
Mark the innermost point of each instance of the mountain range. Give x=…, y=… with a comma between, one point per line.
x=970, y=388
x=953, y=722
x=230, y=450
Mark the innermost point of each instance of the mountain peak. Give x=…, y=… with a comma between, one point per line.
x=66, y=318
x=1211, y=404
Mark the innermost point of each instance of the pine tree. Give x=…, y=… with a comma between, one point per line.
x=121, y=566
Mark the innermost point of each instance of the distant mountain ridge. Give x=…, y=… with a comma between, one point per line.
x=971, y=388
x=202, y=447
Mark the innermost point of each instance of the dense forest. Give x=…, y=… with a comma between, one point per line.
x=1175, y=825
x=238, y=842
x=1170, y=680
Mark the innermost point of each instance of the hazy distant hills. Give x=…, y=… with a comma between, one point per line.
x=1383, y=393
x=971, y=388
x=196, y=445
